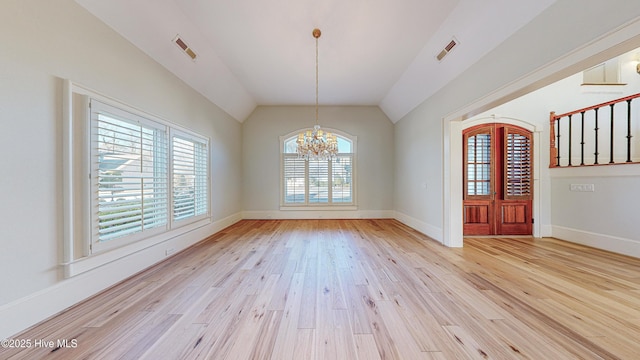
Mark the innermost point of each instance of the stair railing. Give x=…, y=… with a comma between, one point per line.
x=561, y=128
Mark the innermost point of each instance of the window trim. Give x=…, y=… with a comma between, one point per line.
x=77, y=257
x=92, y=256
x=319, y=206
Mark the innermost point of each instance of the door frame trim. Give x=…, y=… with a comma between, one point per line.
x=536, y=132
x=615, y=42
x=453, y=199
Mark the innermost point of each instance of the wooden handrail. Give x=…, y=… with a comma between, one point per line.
x=630, y=97
x=554, y=134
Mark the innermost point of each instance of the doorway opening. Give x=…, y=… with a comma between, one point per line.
x=497, y=180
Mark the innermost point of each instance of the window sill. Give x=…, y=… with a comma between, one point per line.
x=318, y=207
x=91, y=262
x=603, y=84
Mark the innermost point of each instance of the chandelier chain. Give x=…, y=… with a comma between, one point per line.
x=317, y=79
x=316, y=144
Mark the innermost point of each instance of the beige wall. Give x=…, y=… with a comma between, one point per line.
x=567, y=37
x=44, y=42
x=261, y=155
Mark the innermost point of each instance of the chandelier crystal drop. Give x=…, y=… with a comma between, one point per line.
x=316, y=144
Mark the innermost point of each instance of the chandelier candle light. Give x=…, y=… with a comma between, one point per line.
x=316, y=144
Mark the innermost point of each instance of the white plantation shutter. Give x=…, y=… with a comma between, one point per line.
x=190, y=180
x=129, y=167
x=341, y=170
x=295, y=182
x=478, y=164
x=317, y=182
x=518, y=164
x=147, y=177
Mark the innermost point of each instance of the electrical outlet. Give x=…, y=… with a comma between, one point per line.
x=169, y=251
x=583, y=187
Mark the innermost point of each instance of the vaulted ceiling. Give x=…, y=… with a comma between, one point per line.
x=371, y=52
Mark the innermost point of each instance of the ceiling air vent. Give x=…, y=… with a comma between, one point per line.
x=185, y=48
x=447, y=49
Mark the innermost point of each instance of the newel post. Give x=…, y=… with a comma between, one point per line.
x=553, y=151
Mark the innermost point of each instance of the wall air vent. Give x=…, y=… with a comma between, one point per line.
x=185, y=48
x=447, y=49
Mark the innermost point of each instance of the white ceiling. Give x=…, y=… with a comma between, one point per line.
x=371, y=52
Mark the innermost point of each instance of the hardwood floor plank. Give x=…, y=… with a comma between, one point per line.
x=267, y=335
x=305, y=345
x=366, y=347
x=423, y=326
x=248, y=331
x=461, y=289
x=359, y=321
x=343, y=335
x=384, y=342
x=307, y=315
x=357, y=289
x=227, y=326
x=282, y=290
x=403, y=342
x=136, y=344
x=285, y=341
x=178, y=343
x=325, y=335
x=523, y=342
x=472, y=348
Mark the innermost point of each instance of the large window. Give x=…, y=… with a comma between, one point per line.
x=132, y=162
x=318, y=182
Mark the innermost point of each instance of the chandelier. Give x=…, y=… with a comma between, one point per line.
x=316, y=144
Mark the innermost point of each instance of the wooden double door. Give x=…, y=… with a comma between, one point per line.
x=498, y=180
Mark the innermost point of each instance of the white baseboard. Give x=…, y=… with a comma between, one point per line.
x=319, y=214
x=601, y=241
x=431, y=231
x=20, y=314
x=546, y=231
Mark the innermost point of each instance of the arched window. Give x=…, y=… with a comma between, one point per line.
x=318, y=182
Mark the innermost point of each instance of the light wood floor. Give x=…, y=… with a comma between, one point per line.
x=359, y=289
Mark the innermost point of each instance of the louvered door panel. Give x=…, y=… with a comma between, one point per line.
x=513, y=207
x=517, y=164
x=479, y=175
